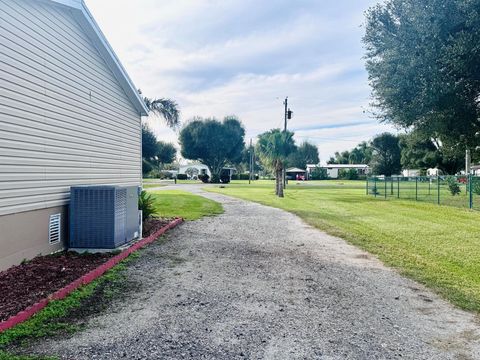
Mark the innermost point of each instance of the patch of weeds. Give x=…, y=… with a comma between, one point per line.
x=476, y=186
x=68, y=315
x=453, y=186
x=7, y=356
x=173, y=259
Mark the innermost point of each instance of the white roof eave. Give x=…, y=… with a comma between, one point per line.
x=81, y=13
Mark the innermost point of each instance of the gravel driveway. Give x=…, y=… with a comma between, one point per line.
x=257, y=283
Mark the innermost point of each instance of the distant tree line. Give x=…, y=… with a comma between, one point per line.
x=388, y=154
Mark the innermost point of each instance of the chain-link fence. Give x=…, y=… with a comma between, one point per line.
x=459, y=191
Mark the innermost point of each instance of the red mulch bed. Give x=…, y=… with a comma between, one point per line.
x=23, y=285
x=154, y=224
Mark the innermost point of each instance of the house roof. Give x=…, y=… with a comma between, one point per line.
x=345, y=166
x=297, y=170
x=81, y=13
x=199, y=166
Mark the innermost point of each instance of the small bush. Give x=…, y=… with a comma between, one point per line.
x=146, y=204
x=203, y=178
x=453, y=186
x=244, y=177
x=146, y=167
x=319, y=174
x=164, y=174
x=476, y=185
x=215, y=179
x=225, y=178
x=182, y=176
x=348, y=174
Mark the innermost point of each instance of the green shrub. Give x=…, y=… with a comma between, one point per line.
x=146, y=167
x=146, y=204
x=453, y=186
x=215, y=179
x=203, y=178
x=319, y=174
x=348, y=174
x=476, y=185
x=225, y=178
x=182, y=176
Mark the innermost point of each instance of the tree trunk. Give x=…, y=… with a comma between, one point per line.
x=276, y=182
x=280, y=179
x=280, y=183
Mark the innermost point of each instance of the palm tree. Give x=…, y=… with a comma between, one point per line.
x=164, y=108
x=274, y=146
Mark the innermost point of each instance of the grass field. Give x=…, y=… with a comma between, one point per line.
x=436, y=245
x=173, y=203
x=152, y=182
x=152, y=185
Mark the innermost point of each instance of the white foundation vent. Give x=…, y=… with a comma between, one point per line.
x=54, y=229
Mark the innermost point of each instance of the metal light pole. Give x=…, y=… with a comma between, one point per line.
x=468, y=163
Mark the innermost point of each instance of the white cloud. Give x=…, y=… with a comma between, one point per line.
x=217, y=58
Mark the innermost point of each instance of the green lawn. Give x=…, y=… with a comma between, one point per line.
x=147, y=182
x=173, y=203
x=436, y=245
x=152, y=185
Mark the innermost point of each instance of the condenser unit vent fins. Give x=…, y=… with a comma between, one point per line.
x=101, y=216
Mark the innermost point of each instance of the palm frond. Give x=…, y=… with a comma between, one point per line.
x=166, y=109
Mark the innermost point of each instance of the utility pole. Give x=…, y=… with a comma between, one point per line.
x=284, y=173
x=288, y=115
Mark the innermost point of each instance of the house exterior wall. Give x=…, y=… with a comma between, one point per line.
x=332, y=173
x=411, y=172
x=64, y=120
x=25, y=235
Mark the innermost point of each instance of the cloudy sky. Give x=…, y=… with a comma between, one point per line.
x=243, y=57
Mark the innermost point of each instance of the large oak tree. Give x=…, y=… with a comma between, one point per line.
x=214, y=143
x=423, y=62
x=304, y=154
x=386, y=155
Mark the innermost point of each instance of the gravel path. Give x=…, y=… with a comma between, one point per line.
x=257, y=283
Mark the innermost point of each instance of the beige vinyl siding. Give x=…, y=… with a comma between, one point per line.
x=64, y=118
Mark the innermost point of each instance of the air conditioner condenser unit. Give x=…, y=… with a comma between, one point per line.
x=103, y=217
